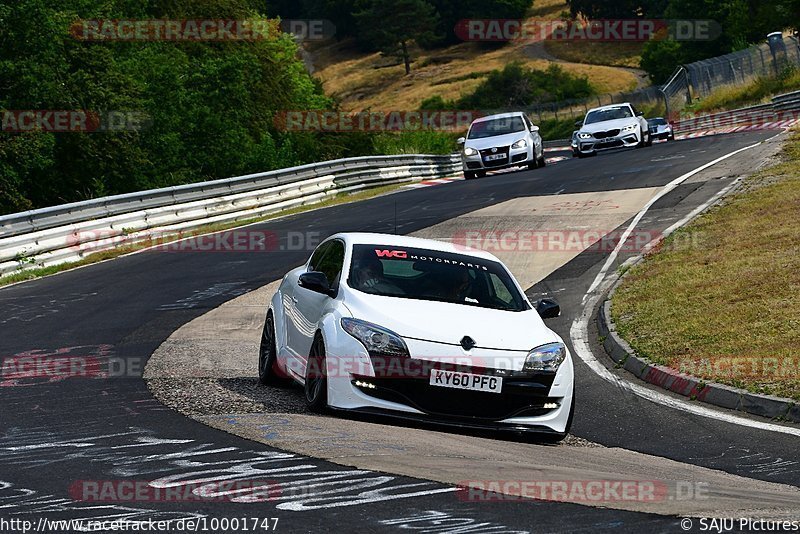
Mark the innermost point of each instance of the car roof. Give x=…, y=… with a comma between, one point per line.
x=499, y=116
x=391, y=240
x=610, y=106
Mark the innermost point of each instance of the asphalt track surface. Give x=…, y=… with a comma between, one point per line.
x=56, y=434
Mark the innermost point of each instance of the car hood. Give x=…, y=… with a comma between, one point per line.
x=442, y=322
x=609, y=125
x=495, y=140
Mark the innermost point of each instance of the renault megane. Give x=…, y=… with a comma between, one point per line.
x=419, y=329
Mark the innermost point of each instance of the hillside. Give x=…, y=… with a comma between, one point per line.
x=360, y=81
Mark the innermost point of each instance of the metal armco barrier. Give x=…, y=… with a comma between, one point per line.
x=781, y=110
x=69, y=232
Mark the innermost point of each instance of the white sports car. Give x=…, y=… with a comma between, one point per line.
x=614, y=126
x=418, y=329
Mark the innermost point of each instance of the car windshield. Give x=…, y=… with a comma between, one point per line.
x=657, y=122
x=422, y=274
x=493, y=127
x=608, y=114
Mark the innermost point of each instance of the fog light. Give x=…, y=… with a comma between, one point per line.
x=361, y=384
x=550, y=405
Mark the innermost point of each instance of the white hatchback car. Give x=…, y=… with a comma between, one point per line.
x=501, y=141
x=614, y=126
x=418, y=329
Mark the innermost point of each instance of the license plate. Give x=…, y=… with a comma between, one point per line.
x=492, y=157
x=455, y=380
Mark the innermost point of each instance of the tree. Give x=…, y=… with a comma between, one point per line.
x=391, y=26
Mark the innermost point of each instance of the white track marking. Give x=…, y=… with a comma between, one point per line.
x=667, y=188
x=579, y=332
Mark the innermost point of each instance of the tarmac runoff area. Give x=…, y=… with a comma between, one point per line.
x=207, y=370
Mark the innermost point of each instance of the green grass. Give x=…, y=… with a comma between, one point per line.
x=38, y=272
x=551, y=129
x=719, y=299
x=758, y=91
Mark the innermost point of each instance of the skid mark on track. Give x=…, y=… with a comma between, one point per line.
x=205, y=467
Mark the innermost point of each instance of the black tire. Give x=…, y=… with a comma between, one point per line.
x=316, y=386
x=481, y=174
x=469, y=175
x=268, y=373
x=649, y=141
x=541, y=162
x=532, y=165
x=671, y=138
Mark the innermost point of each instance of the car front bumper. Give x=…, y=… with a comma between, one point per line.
x=621, y=140
x=661, y=134
x=537, y=403
x=511, y=157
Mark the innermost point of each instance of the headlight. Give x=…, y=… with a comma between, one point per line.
x=584, y=135
x=630, y=127
x=469, y=151
x=545, y=358
x=376, y=339
x=520, y=144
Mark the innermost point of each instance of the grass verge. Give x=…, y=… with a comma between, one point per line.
x=758, y=91
x=39, y=272
x=718, y=300
x=620, y=54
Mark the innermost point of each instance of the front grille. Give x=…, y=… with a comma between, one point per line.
x=502, y=150
x=520, y=396
x=610, y=144
x=607, y=133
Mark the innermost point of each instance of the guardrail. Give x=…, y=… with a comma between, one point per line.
x=787, y=102
x=69, y=232
x=781, y=108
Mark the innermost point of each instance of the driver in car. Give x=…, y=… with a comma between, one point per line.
x=370, y=279
x=459, y=286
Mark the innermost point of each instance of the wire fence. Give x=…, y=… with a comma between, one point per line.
x=701, y=78
x=689, y=82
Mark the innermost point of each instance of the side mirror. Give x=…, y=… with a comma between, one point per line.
x=534, y=128
x=579, y=124
x=317, y=282
x=548, y=308
x=639, y=114
x=461, y=140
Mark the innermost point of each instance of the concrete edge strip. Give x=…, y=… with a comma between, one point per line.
x=686, y=385
x=724, y=396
